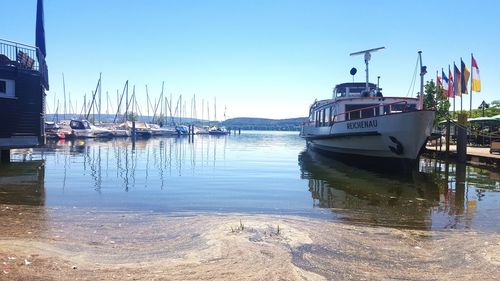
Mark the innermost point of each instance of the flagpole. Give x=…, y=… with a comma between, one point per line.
x=471, y=77
x=437, y=85
x=442, y=82
x=454, y=89
x=450, y=83
x=461, y=86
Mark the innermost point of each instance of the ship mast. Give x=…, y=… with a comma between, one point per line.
x=368, y=56
x=423, y=71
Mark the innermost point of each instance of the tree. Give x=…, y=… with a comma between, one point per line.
x=435, y=99
x=132, y=116
x=495, y=104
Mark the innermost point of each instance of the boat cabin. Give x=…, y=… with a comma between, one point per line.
x=355, y=90
x=79, y=125
x=353, y=101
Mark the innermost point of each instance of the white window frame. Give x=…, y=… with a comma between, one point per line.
x=10, y=89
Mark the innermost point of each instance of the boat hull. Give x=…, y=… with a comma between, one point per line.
x=393, y=136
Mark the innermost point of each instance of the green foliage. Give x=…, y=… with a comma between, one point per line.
x=436, y=100
x=495, y=104
x=488, y=112
x=132, y=116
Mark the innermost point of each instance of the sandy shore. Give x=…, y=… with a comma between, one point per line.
x=38, y=243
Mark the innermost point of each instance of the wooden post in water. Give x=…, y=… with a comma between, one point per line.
x=133, y=131
x=448, y=137
x=462, y=138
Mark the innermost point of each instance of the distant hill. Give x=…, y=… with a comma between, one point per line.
x=243, y=123
x=247, y=123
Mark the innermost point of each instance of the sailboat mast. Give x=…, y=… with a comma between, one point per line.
x=91, y=107
x=100, y=100
x=70, y=105
x=119, y=102
x=64, y=93
x=107, y=103
x=148, y=102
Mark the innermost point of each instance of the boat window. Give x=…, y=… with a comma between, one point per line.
x=76, y=125
x=86, y=124
x=7, y=88
x=317, y=118
x=340, y=92
x=326, y=117
x=355, y=111
x=400, y=107
x=332, y=115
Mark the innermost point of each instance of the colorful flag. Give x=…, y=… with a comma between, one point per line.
x=445, y=82
x=439, y=82
x=465, y=77
x=476, y=81
x=457, y=90
x=451, y=84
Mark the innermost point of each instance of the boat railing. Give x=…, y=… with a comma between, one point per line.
x=23, y=56
x=379, y=109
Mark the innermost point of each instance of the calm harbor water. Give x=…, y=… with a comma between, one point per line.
x=255, y=172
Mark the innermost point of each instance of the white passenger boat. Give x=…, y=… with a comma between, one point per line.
x=359, y=121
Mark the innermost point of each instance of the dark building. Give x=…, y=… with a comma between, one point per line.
x=23, y=82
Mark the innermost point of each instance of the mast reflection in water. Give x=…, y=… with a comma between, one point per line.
x=255, y=172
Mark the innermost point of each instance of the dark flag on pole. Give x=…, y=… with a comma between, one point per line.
x=465, y=77
x=40, y=30
x=40, y=45
x=458, y=81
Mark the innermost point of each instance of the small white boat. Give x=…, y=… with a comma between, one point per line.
x=81, y=129
x=100, y=132
x=121, y=133
x=202, y=130
x=156, y=130
x=142, y=129
x=359, y=121
x=218, y=131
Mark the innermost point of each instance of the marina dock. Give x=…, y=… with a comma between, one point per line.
x=476, y=155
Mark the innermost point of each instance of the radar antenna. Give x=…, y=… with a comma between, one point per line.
x=368, y=56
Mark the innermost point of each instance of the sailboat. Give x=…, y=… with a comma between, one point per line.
x=217, y=130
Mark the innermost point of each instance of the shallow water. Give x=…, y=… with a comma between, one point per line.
x=255, y=172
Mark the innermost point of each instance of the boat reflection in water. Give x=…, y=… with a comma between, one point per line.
x=438, y=196
x=22, y=183
x=359, y=195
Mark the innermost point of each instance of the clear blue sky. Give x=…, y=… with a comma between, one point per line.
x=260, y=58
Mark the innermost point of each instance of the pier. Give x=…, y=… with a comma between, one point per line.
x=476, y=155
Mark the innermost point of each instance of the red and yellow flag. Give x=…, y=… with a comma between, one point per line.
x=476, y=80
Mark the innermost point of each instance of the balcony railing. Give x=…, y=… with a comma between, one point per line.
x=24, y=57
